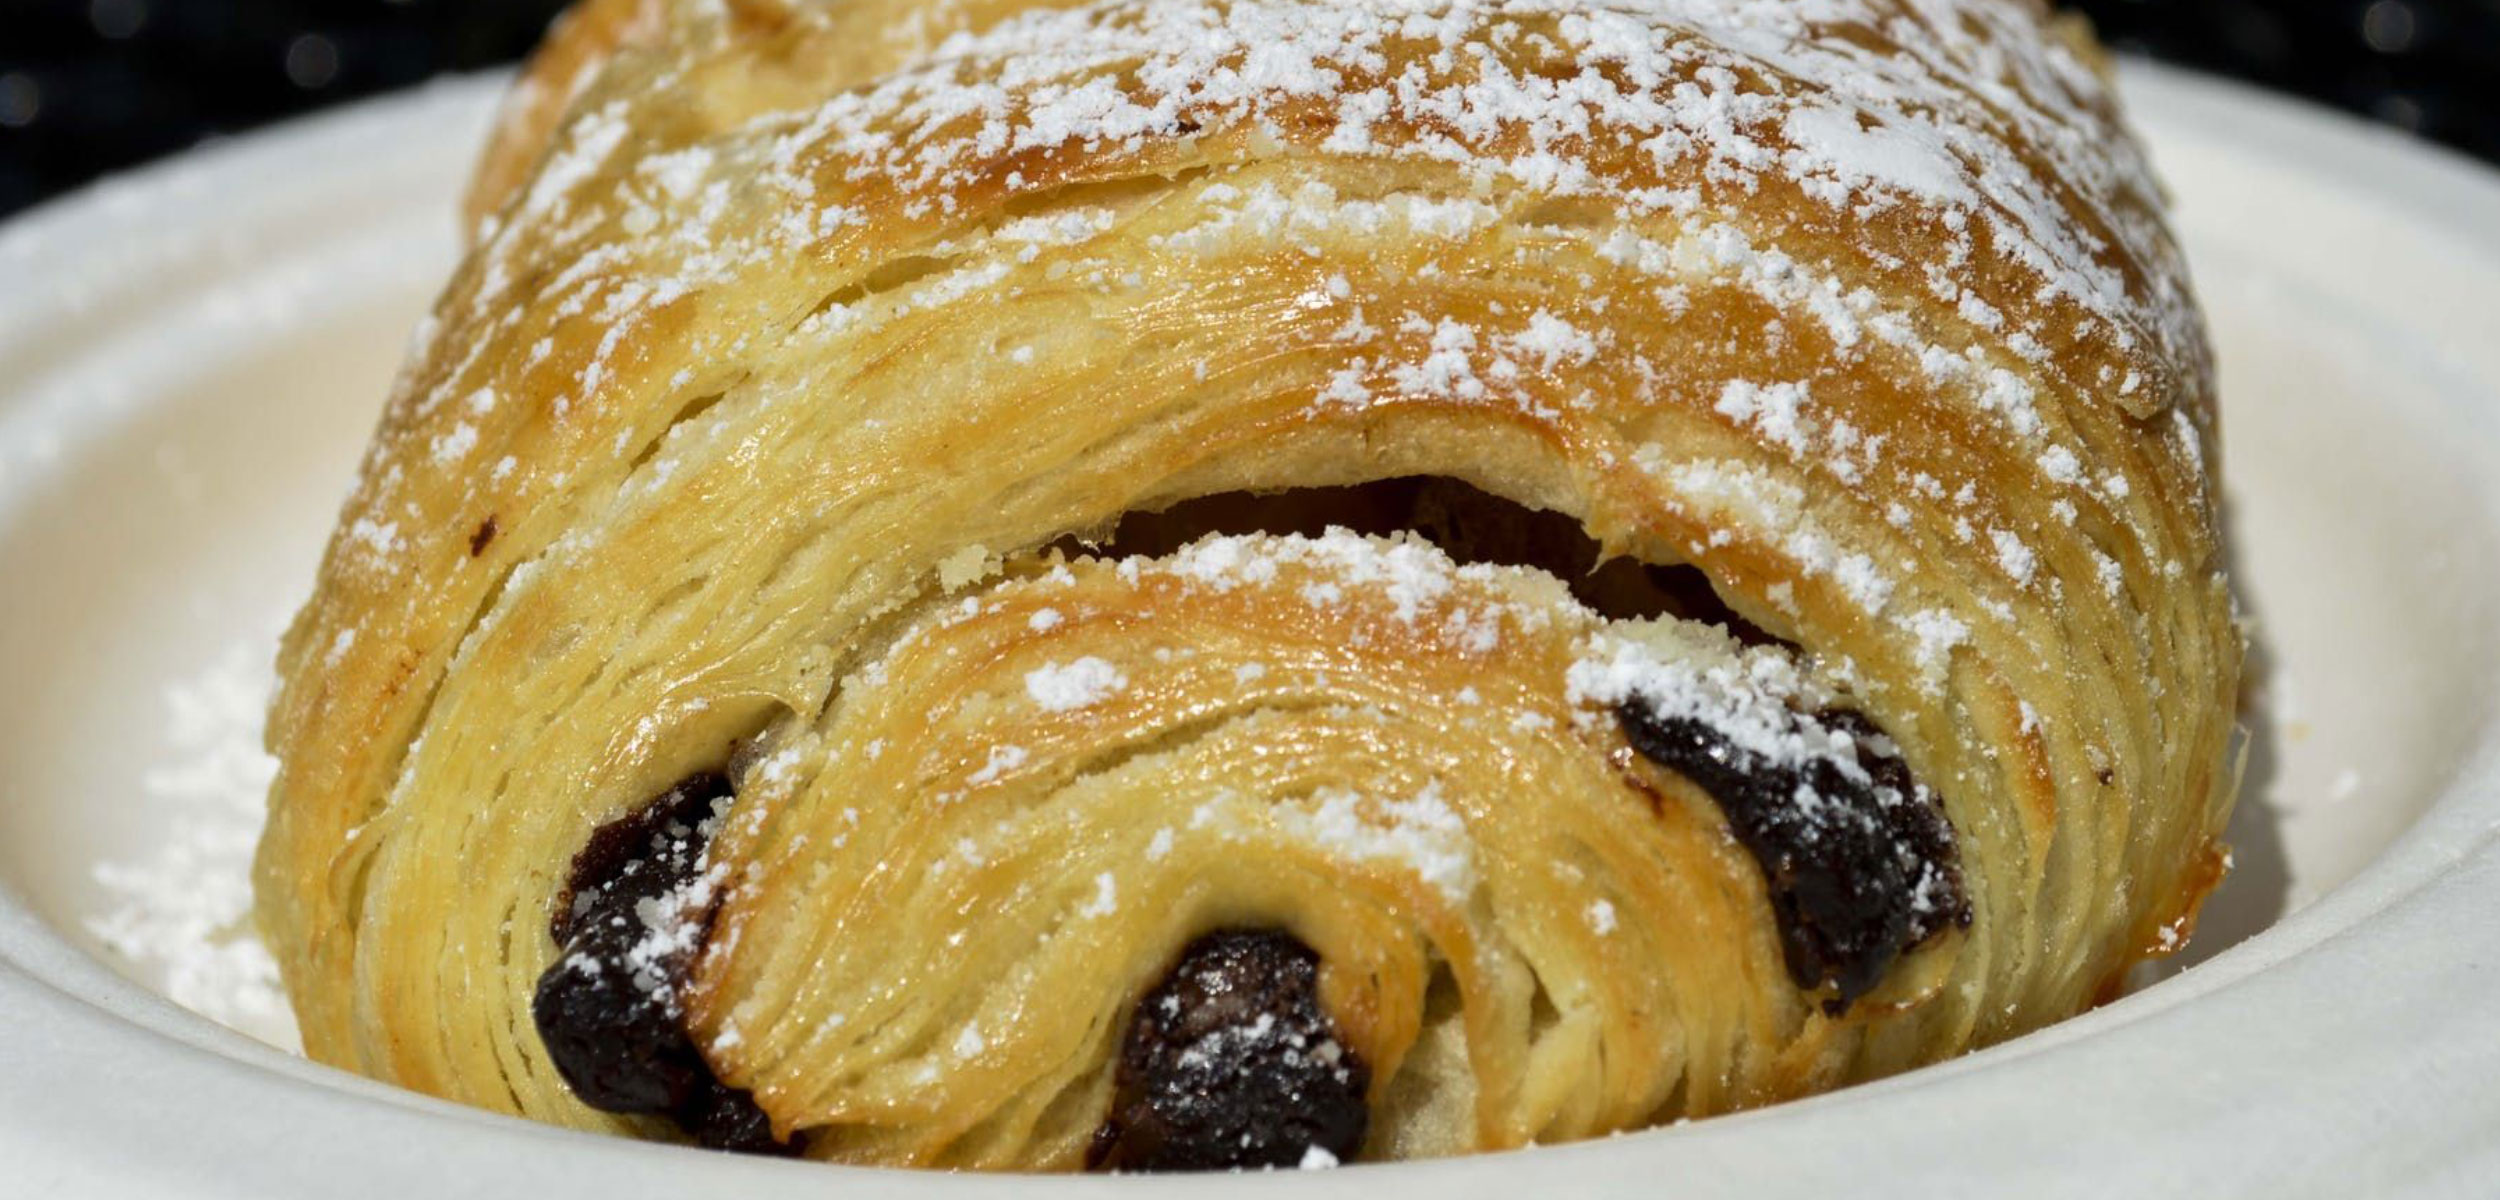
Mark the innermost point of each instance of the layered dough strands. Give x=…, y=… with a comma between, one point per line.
x=784, y=442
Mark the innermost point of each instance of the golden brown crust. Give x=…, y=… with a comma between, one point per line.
x=1865, y=309
x=577, y=47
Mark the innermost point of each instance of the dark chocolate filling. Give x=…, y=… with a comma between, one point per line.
x=1859, y=874
x=1467, y=523
x=611, y=1009
x=1230, y=1064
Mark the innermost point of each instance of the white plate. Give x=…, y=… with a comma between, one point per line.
x=190, y=360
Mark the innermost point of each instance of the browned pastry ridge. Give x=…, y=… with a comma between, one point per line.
x=1165, y=584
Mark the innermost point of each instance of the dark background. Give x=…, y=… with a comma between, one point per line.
x=89, y=86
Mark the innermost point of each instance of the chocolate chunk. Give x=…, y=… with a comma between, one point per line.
x=1861, y=867
x=641, y=856
x=1468, y=523
x=1229, y=1064
x=726, y=1118
x=611, y=1009
x=614, y=1030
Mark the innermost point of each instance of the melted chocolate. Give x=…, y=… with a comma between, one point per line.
x=640, y=856
x=1230, y=1064
x=1861, y=875
x=613, y=1018
x=725, y=1118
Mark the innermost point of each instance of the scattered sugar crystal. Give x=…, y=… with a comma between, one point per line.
x=1777, y=411
x=1552, y=342
x=2013, y=555
x=1081, y=684
x=2061, y=465
x=1938, y=634
x=455, y=445
x=1106, y=899
x=1602, y=917
x=1002, y=760
x=379, y=537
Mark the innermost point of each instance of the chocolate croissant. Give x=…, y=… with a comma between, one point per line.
x=1169, y=584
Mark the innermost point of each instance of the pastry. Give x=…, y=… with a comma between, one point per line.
x=1179, y=584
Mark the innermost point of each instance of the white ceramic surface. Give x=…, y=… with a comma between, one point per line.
x=190, y=360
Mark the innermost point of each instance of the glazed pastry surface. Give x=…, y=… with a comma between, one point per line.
x=1171, y=584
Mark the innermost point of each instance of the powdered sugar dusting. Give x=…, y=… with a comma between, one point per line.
x=1601, y=917
x=1918, y=112
x=184, y=911
x=1410, y=572
x=1081, y=684
x=1751, y=696
x=1422, y=833
x=1778, y=411
x=673, y=926
x=1002, y=760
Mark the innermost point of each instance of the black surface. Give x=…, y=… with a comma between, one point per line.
x=2431, y=66
x=88, y=86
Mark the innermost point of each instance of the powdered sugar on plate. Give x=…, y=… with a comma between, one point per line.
x=183, y=914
